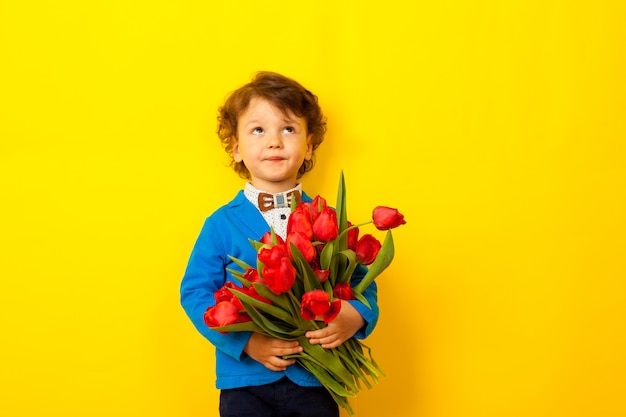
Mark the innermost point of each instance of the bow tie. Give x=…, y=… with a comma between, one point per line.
x=270, y=201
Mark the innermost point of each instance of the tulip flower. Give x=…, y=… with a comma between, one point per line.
x=271, y=256
x=224, y=294
x=252, y=275
x=386, y=218
x=280, y=277
x=222, y=314
x=366, y=249
x=317, y=303
x=352, y=236
x=300, y=222
x=343, y=291
x=304, y=245
x=333, y=311
x=314, y=208
x=325, y=227
x=267, y=239
x=254, y=294
x=322, y=274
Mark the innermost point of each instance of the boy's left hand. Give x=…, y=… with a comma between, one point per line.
x=342, y=328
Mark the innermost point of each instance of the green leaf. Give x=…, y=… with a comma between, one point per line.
x=347, y=267
x=265, y=292
x=270, y=327
x=342, y=216
x=359, y=296
x=383, y=260
x=236, y=273
x=274, y=238
x=334, y=388
x=371, y=363
x=331, y=362
x=352, y=364
x=256, y=244
x=239, y=262
x=322, y=374
x=238, y=327
x=327, y=287
x=266, y=308
x=259, y=267
x=309, y=277
x=239, y=276
x=327, y=255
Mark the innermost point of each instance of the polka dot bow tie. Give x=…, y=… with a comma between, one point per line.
x=270, y=201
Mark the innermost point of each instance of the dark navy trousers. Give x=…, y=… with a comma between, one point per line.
x=282, y=398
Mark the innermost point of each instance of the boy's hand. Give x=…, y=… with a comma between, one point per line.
x=342, y=328
x=268, y=351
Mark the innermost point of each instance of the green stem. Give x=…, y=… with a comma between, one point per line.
x=354, y=226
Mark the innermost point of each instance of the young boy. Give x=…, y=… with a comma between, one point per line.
x=271, y=128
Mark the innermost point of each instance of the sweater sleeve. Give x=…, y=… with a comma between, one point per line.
x=205, y=274
x=369, y=314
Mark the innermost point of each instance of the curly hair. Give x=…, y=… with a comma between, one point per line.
x=284, y=93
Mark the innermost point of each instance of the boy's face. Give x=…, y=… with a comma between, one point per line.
x=272, y=145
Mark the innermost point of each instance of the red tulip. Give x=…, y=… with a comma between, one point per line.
x=325, y=227
x=244, y=317
x=252, y=293
x=387, y=218
x=333, y=311
x=273, y=255
x=366, y=249
x=317, y=303
x=316, y=207
x=278, y=272
x=280, y=278
x=343, y=291
x=300, y=221
x=252, y=275
x=223, y=294
x=303, y=244
x=222, y=314
x=267, y=239
x=314, y=303
x=352, y=236
x=322, y=274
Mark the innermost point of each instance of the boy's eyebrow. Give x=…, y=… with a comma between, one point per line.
x=253, y=121
x=286, y=119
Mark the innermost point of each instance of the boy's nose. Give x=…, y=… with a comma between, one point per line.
x=275, y=141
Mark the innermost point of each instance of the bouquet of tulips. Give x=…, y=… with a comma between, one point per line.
x=299, y=282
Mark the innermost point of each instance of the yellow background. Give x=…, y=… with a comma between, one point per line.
x=498, y=128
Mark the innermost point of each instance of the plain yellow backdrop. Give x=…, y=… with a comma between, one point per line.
x=497, y=128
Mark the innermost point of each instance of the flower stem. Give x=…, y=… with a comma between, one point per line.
x=354, y=226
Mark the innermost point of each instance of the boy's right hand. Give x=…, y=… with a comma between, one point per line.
x=268, y=351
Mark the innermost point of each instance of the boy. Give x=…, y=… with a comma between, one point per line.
x=270, y=128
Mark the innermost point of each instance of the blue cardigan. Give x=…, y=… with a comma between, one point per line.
x=224, y=233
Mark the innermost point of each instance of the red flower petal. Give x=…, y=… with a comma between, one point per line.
x=332, y=312
x=367, y=249
x=385, y=218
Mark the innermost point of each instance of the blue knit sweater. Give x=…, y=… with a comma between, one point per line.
x=226, y=232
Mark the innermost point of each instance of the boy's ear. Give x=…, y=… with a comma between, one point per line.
x=309, y=149
x=236, y=154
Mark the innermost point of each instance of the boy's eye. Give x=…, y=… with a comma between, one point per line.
x=257, y=131
x=289, y=129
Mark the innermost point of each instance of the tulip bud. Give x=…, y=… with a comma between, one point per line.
x=222, y=314
x=385, y=218
x=366, y=249
x=325, y=227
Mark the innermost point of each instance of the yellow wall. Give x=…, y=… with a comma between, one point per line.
x=497, y=127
